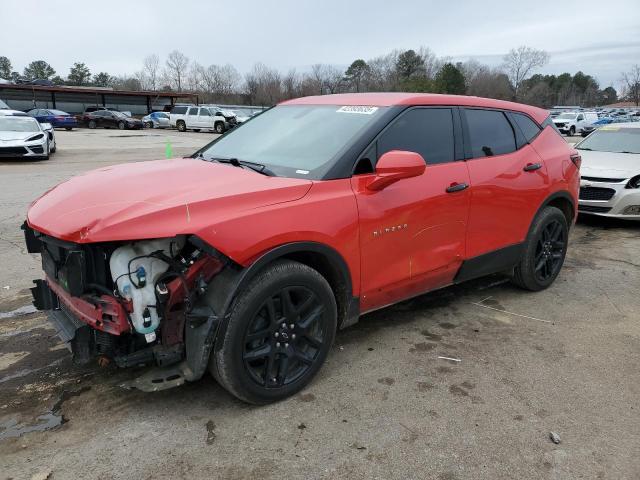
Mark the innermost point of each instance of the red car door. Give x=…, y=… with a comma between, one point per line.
x=508, y=184
x=412, y=233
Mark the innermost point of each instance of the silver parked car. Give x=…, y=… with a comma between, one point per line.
x=156, y=120
x=610, y=171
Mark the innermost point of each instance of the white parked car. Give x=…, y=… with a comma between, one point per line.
x=184, y=117
x=22, y=136
x=610, y=171
x=572, y=123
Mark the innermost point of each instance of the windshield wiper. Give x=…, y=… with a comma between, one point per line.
x=626, y=151
x=584, y=148
x=256, y=167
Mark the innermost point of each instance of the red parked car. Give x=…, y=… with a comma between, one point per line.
x=245, y=258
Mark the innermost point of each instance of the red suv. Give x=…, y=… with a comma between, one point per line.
x=248, y=256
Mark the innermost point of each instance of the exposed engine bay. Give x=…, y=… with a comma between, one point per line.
x=130, y=303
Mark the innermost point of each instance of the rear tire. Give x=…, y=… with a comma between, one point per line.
x=92, y=124
x=544, y=251
x=280, y=331
x=181, y=126
x=68, y=129
x=121, y=125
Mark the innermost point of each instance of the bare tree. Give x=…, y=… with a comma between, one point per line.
x=151, y=70
x=520, y=62
x=176, y=71
x=263, y=85
x=631, y=81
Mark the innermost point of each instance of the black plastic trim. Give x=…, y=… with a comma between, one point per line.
x=492, y=262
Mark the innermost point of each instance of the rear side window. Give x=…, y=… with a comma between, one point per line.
x=528, y=127
x=490, y=133
x=427, y=131
x=193, y=111
x=179, y=110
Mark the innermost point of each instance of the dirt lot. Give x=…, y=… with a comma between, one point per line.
x=523, y=365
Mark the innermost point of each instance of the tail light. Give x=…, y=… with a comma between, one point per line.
x=576, y=159
x=60, y=117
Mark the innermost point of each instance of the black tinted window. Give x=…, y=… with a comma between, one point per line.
x=193, y=111
x=427, y=131
x=179, y=110
x=528, y=127
x=204, y=112
x=490, y=133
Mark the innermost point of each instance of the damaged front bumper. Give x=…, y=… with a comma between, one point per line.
x=95, y=322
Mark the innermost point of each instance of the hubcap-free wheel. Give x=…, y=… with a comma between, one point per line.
x=280, y=329
x=550, y=251
x=284, y=338
x=543, y=251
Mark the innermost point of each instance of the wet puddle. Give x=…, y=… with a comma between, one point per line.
x=47, y=421
x=18, y=312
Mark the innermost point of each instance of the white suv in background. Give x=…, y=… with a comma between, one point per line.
x=192, y=117
x=572, y=123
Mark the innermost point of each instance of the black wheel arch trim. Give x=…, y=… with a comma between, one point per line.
x=225, y=286
x=561, y=194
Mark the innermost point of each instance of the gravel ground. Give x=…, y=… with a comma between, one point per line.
x=385, y=406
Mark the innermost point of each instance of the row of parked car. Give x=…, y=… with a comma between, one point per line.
x=182, y=117
x=583, y=122
x=22, y=136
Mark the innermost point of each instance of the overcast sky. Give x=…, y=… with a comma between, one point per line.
x=601, y=38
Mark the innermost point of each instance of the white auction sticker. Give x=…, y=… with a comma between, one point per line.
x=361, y=109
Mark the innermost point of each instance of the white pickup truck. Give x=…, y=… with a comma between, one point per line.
x=192, y=117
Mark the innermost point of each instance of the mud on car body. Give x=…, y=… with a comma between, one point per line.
x=245, y=258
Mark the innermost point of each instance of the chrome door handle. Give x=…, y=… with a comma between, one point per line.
x=530, y=167
x=456, y=187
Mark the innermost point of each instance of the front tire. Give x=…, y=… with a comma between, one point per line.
x=92, y=124
x=219, y=127
x=572, y=131
x=280, y=331
x=121, y=125
x=544, y=251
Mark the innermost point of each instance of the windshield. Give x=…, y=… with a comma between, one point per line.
x=18, y=124
x=295, y=140
x=612, y=139
x=567, y=116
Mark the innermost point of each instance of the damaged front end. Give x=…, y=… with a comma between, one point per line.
x=133, y=303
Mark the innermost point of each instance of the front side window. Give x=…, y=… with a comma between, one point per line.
x=302, y=141
x=490, y=133
x=427, y=131
x=204, y=112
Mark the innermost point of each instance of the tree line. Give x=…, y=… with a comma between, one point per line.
x=410, y=70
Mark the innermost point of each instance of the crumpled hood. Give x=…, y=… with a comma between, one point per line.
x=609, y=164
x=20, y=136
x=155, y=199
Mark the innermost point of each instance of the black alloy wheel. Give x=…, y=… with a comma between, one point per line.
x=544, y=250
x=550, y=251
x=284, y=337
x=280, y=330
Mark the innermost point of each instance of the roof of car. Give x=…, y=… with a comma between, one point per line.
x=622, y=125
x=397, y=98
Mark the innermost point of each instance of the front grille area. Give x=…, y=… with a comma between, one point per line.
x=38, y=149
x=603, y=180
x=589, y=208
x=596, y=193
x=10, y=151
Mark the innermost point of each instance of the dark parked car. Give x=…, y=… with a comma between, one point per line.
x=57, y=118
x=108, y=119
